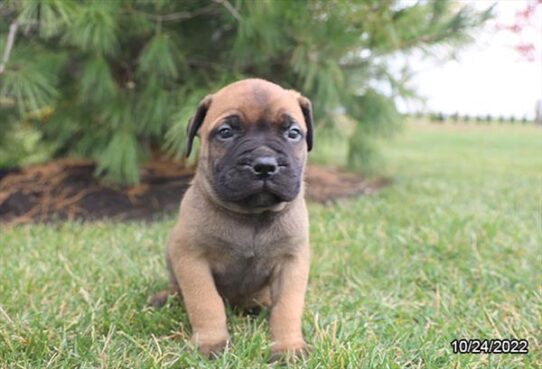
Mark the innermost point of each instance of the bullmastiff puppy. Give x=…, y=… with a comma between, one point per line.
x=242, y=232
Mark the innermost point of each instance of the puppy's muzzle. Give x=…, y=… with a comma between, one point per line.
x=260, y=176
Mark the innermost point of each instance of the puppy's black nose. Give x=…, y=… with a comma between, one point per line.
x=265, y=166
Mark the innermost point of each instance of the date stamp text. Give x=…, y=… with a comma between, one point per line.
x=490, y=346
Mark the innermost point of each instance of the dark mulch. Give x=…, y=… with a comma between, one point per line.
x=67, y=189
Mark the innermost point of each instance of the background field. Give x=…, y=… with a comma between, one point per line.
x=451, y=250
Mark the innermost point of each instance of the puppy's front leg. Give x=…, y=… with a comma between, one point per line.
x=204, y=305
x=288, y=296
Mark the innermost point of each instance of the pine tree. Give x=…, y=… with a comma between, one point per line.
x=117, y=80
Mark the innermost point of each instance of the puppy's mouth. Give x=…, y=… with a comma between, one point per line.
x=261, y=193
x=263, y=199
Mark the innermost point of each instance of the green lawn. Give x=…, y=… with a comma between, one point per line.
x=451, y=250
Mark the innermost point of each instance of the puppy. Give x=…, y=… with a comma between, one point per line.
x=242, y=233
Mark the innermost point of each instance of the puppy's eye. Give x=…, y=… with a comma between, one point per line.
x=294, y=134
x=225, y=132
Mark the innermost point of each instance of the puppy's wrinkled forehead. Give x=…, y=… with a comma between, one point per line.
x=255, y=101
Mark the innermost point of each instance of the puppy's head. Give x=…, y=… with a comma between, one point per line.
x=254, y=140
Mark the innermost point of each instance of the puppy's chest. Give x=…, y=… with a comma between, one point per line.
x=239, y=278
x=236, y=240
x=243, y=260
x=246, y=250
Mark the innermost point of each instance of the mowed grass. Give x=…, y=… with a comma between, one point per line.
x=451, y=250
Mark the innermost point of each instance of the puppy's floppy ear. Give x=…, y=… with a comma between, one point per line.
x=306, y=108
x=195, y=122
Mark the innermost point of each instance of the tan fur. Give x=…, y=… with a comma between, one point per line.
x=218, y=251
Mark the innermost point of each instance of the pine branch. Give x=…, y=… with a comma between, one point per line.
x=9, y=45
x=180, y=16
x=230, y=8
x=354, y=64
x=423, y=39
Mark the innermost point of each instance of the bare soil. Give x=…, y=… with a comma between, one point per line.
x=67, y=189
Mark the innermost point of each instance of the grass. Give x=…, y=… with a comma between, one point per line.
x=451, y=250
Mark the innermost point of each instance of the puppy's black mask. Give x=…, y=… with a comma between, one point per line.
x=255, y=164
x=259, y=167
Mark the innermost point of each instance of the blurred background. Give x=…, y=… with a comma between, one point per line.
x=112, y=84
x=424, y=184
x=500, y=74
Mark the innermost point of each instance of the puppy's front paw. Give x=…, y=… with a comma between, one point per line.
x=210, y=346
x=288, y=351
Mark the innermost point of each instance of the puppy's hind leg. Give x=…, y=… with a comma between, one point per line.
x=159, y=299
